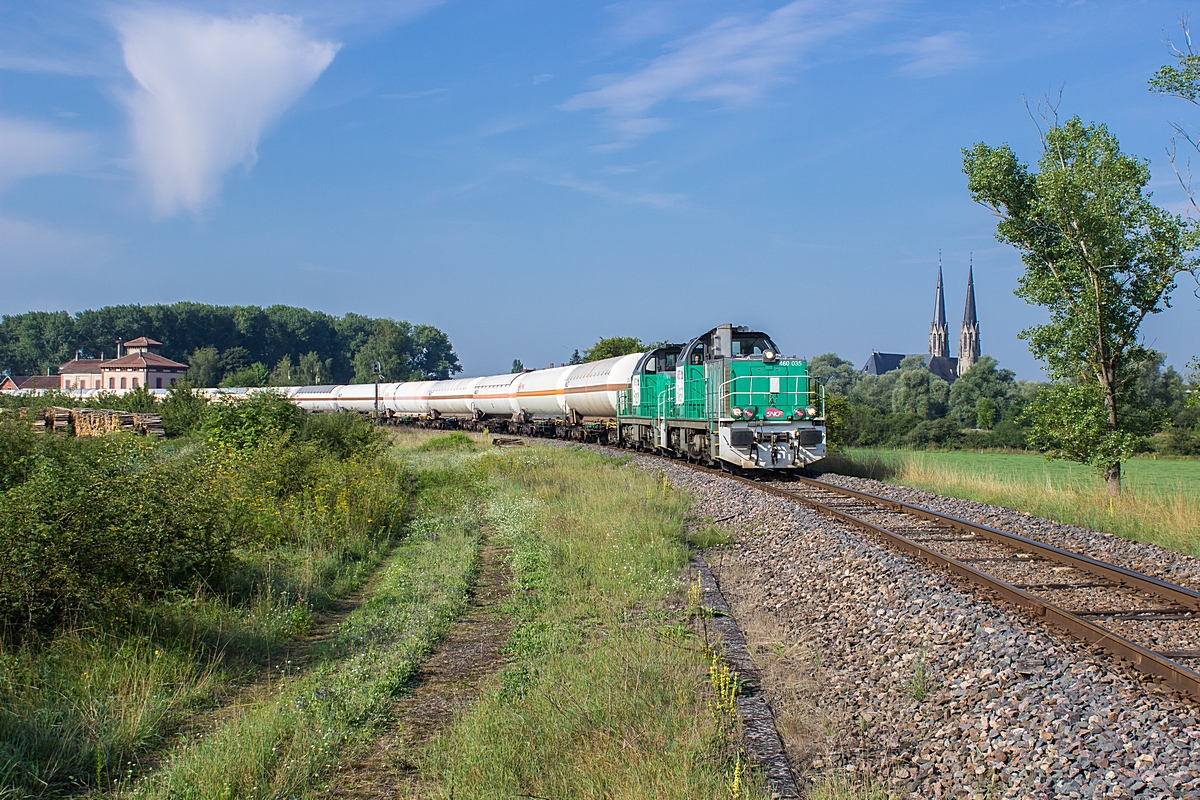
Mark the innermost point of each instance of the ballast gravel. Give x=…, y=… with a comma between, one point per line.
x=928, y=689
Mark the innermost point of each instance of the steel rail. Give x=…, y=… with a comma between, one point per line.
x=1177, y=594
x=1159, y=664
x=1142, y=658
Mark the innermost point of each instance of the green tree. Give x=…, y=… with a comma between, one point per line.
x=985, y=413
x=983, y=379
x=432, y=355
x=391, y=346
x=183, y=410
x=575, y=358
x=918, y=391
x=613, y=346
x=313, y=371
x=837, y=410
x=282, y=374
x=517, y=366
x=235, y=359
x=1100, y=257
x=256, y=374
x=840, y=376
x=204, y=367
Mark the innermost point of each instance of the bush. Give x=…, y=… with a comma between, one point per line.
x=184, y=411
x=450, y=441
x=247, y=422
x=106, y=522
x=939, y=432
x=344, y=434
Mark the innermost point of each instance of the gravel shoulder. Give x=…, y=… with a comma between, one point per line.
x=884, y=673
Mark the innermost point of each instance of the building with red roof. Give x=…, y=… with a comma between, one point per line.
x=141, y=365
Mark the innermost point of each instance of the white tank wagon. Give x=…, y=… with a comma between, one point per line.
x=575, y=393
x=725, y=397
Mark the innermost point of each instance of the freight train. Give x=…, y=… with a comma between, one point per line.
x=725, y=398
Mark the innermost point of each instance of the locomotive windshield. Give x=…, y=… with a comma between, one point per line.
x=752, y=345
x=662, y=359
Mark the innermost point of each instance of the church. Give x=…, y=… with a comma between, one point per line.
x=938, y=359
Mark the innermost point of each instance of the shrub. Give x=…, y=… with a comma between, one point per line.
x=451, y=441
x=184, y=411
x=105, y=522
x=247, y=422
x=344, y=434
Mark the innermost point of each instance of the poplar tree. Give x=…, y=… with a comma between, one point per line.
x=1099, y=257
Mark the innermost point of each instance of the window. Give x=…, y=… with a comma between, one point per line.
x=135, y=383
x=158, y=383
x=752, y=346
x=122, y=383
x=110, y=382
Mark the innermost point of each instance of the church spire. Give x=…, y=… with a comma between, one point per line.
x=939, y=344
x=968, y=342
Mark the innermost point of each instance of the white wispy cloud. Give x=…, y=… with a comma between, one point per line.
x=208, y=88
x=935, y=55
x=29, y=148
x=732, y=62
x=659, y=200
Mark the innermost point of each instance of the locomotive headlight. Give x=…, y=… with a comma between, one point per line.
x=749, y=412
x=737, y=411
x=811, y=411
x=768, y=356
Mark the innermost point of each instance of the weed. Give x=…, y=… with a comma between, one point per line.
x=922, y=680
x=709, y=535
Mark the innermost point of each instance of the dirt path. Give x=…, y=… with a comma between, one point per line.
x=452, y=678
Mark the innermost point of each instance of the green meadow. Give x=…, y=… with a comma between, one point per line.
x=1160, y=502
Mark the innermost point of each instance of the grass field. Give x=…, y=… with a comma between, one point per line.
x=605, y=692
x=1160, y=501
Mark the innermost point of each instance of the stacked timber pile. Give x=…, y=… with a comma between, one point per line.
x=57, y=418
x=93, y=421
x=99, y=421
x=149, y=425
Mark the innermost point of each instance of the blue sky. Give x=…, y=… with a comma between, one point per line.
x=529, y=176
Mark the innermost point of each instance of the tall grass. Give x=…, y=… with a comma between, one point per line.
x=602, y=695
x=1169, y=518
x=288, y=735
x=97, y=697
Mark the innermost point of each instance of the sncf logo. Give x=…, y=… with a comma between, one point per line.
x=773, y=413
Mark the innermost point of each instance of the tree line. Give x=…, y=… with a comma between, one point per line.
x=986, y=408
x=234, y=345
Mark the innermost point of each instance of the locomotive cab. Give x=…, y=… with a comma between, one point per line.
x=732, y=400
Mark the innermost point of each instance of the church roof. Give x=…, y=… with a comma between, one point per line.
x=939, y=305
x=944, y=367
x=880, y=363
x=969, y=311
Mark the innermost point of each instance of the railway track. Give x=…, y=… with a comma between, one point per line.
x=1152, y=624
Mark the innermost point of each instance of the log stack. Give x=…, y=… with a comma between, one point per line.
x=99, y=421
x=149, y=425
x=58, y=419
